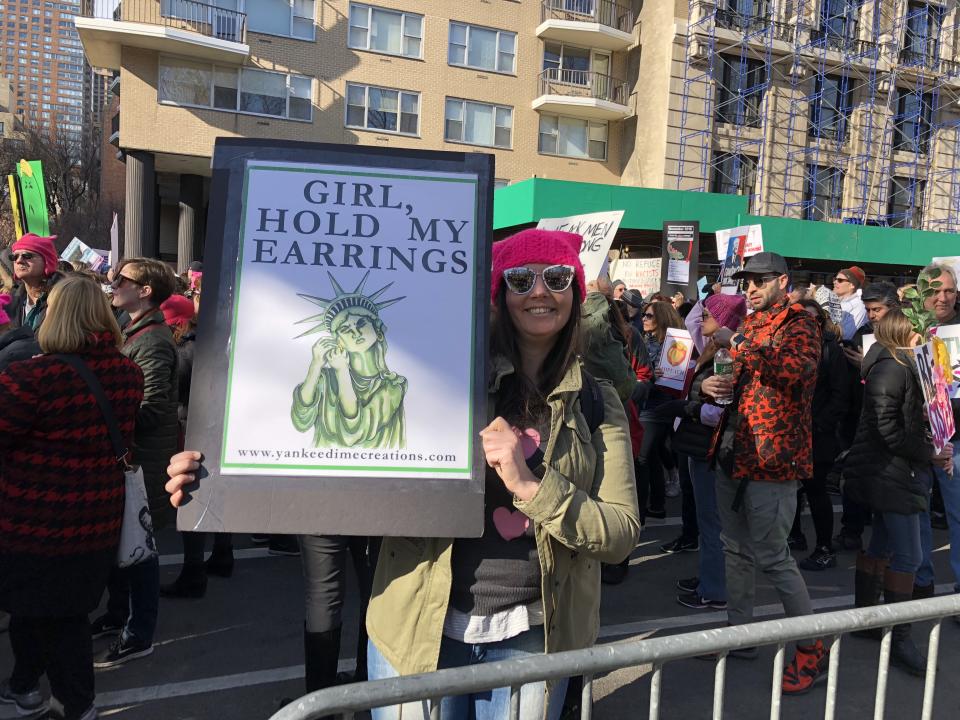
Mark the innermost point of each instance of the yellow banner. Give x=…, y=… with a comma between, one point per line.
x=15, y=205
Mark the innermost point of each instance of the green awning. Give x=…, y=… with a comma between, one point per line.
x=527, y=201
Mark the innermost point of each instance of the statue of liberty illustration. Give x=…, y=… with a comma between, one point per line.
x=350, y=398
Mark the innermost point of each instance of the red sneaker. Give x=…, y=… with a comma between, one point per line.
x=808, y=667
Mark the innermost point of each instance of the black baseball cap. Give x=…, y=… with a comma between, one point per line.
x=763, y=263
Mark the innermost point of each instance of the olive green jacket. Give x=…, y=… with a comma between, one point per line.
x=603, y=354
x=584, y=513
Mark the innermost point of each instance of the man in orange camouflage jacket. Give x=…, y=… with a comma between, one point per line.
x=765, y=450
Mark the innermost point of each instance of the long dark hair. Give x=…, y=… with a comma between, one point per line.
x=520, y=397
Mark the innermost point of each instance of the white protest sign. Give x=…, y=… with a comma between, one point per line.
x=752, y=245
x=641, y=274
x=598, y=230
x=114, y=241
x=674, y=358
x=868, y=342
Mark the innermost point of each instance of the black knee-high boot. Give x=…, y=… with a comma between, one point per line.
x=321, y=654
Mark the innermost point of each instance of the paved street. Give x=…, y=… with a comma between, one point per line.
x=238, y=651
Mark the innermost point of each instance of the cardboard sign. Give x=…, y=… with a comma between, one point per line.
x=352, y=290
x=114, y=241
x=15, y=206
x=641, y=274
x=598, y=230
x=936, y=392
x=752, y=240
x=674, y=358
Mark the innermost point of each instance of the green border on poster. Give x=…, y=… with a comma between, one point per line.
x=236, y=303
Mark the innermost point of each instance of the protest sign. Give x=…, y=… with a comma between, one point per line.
x=79, y=251
x=15, y=206
x=681, y=246
x=598, y=230
x=642, y=274
x=950, y=335
x=868, y=342
x=732, y=264
x=702, y=288
x=352, y=288
x=752, y=243
x=674, y=358
x=933, y=365
x=33, y=197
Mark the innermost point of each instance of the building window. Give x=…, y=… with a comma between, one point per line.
x=482, y=48
x=838, y=23
x=734, y=174
x=743, y=15
x=290, y=18
x=571, y=137
x=905, y=202
x=383, y=109
x=911, y=125
x=830, y=107
x=245, y=90
x=823, y=195
x=477, y=123
x=740, y=87
x=921, y=40
x=385, y=31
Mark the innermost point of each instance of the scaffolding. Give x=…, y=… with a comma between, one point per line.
x=837, y=110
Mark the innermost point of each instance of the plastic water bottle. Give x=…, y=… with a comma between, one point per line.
x=723, y=365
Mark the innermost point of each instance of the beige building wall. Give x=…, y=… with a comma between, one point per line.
x=161, y=128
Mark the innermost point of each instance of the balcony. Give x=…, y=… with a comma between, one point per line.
x=582, y=94
x=600, y=24
x=184, y=27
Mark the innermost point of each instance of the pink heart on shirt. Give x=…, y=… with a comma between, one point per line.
x=510, y=525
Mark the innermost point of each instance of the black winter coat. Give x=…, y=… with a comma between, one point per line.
x=831, y=400
x=692, y=437
x=18, y=344
x=890, y=452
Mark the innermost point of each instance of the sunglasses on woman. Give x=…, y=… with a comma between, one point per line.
x=556, y=278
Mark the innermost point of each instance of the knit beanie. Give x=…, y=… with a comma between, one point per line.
x=553, y=247
x=729, y=310
x=42, y=246
x=855, y=275
x=4, y=301
x=177, y=310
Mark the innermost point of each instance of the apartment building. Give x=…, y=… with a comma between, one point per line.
x=538, y=84
x=830, y=110
x=8, y=120
x=42, y=56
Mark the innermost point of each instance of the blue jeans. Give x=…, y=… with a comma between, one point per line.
x=135, y=598
x=924, y=574
x=950, y=491
x=489, y=705
x=897, y=537
x=712, y=568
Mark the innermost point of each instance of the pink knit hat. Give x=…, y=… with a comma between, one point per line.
x=729, y=310
x=4, y=301
x=42, y=246
x=553, y=247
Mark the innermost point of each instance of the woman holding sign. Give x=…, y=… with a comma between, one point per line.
x=560, y=499
x=885, y=471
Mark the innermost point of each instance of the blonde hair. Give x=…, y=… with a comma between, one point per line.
x=77, y=309
x=895, y=333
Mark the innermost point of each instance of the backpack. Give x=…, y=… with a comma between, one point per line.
x=591, y=401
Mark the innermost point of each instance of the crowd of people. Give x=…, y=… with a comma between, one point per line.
x=784, y=398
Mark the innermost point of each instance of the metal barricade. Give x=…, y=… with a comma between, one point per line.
x=432, y=687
